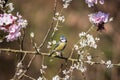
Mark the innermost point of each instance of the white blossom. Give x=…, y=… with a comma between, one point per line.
x=19, y=65
x=87, y=40
x=54, y=18
x=90, y=62
x=42, y=71
x=83, y=43
x=10, y=6
x=66, y=3
x=44, y=67
x=66, y=77
x=49, y=43
x=40, y=78
x=81, y=57
x=32, y=35
x=97, y=39
x=79, y=52
x=55, y=29
x=109, y=64
x=1, y=3
x=102, y=62
x=82, y=34
x=1, y=40
x=21, y=22
x=57, y=13
x=82, y=68
x=89, y=58
x=111, y=19
x=48, y=46
x=19, y=72
x=76, y=47
x=91, y=41
x=64, y=72
x=61, y=18
x=56, y=77
x=54, y=42
x=71, y=68
x=58, y=53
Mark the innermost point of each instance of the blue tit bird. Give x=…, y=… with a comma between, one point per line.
x=60, y=46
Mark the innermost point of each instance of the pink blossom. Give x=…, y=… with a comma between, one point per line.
x=92, y=2
x=14, y=33
x=6, y=20
x=99, y=19
x=12, y=25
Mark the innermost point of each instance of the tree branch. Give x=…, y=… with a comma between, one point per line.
x=47, y=54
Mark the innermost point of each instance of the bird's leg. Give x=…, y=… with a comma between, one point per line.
x=61, y=54
x=51, y=53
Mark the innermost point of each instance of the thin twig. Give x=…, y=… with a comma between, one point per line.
x=17, y=51
x=30, y=62
x=5, y=3
x=51, y=26
x=43, y=60
x=22, y=39
x=70, y=56
x=71, y=73
x=20, y=76
x=57, y=25
x=60, y=70
x=29, y=77
x=21, y=45
x=21, y=56
x=33, y=57
x=84, y=76
x=36, y=50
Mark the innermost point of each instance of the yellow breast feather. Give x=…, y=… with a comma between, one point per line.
x=61, y=46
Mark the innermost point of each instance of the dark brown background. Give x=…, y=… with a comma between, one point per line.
x=39, y=16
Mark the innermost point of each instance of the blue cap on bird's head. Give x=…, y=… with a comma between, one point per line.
x=63, y=38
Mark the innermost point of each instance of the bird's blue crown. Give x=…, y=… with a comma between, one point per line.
x=63, y=38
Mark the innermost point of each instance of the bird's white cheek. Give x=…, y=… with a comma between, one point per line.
x=63, y=40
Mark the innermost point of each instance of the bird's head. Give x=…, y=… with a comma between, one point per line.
x=63, y=38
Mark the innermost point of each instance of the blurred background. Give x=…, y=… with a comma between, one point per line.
x=39, y=16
